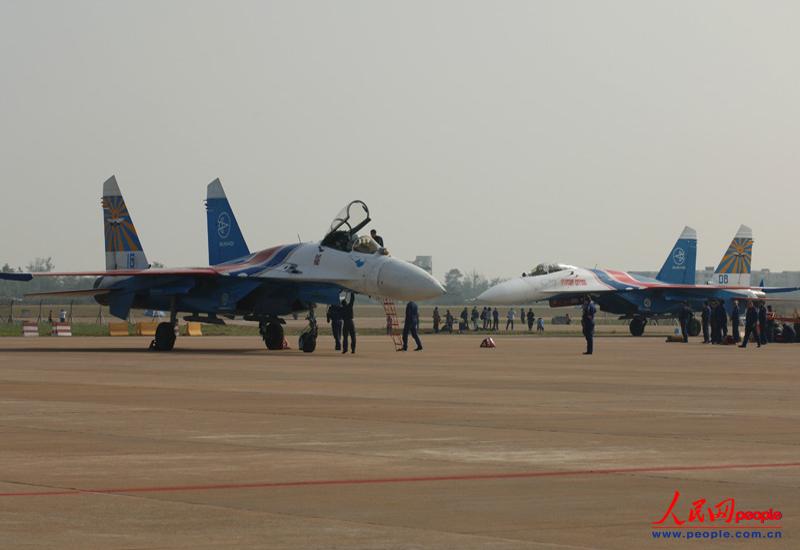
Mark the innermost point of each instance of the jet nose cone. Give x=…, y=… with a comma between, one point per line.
x=506, y=293
x=404, y=281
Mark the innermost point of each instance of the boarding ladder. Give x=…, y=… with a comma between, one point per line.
x=392, y=326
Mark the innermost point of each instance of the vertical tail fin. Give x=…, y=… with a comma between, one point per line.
x=679, y=267
x=734, y=269
x=225, y=240
x=123, y=249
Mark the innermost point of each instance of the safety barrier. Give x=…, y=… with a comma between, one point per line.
x=146, y=328
x=30, y=328
x=194, y=329
x=61, y=329
x=117, y=329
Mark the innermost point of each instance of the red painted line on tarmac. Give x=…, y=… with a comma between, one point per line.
x=386, y=480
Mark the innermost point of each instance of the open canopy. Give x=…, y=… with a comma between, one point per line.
x=344, y=228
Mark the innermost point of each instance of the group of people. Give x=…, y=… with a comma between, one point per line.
x=341, y=318
x=759, y=322
x=487, y=319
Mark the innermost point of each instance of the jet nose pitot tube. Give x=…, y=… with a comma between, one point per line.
x=404, y=281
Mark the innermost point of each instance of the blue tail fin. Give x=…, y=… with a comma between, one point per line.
x=225, y=240
x=679, y=268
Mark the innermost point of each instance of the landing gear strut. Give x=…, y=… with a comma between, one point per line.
x=272, y=333
x=308, y=338
x=637, y=326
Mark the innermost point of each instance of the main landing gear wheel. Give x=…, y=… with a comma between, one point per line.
x=272, y=333
x=637, y=326
x=694, y=327
x=165, y=337
x=307, y=342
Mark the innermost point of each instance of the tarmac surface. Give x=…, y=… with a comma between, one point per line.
x=222, y=444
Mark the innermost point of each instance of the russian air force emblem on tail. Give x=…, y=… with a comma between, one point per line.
x=679, y=256
x=223, y=225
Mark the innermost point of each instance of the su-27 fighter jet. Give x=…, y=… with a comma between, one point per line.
x=260, y=286
x=640, y=298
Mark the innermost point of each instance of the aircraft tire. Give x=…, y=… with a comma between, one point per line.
x=273, y=335
x=694, y=327
x=307, y=343
x=165, y=337
x=636, y=326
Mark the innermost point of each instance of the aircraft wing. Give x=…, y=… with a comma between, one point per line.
x=181, y=272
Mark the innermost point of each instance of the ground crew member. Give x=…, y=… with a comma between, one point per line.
x=531, y=319
x=375, y=237
x=770, y=324
x=715, y=331
x=750, y=324
x=735, y=321
x=762, y=323
x=448, y=321
x=464, y=319
x=722, y=321
x=705, y=316
x=475, y=316
x=683, y=318
x=410, y=325
x=495, y=319
x=348, y=325
x=334, y=317
x=437, y=318
x=510, y=318
x=587, y=323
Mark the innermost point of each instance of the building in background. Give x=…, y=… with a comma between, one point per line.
x=424, y=262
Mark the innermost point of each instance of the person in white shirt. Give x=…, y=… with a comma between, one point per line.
x=510, y=318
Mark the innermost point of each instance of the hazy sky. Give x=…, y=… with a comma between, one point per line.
x=492, y=135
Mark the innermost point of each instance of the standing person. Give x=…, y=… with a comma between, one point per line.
x=464, y=318
x=510, y=318
x=448, y=321
x=483, y=318
x=410, y=325
x=522, y=316
x=770, y=324
x=531, y=319
x=705, y=316
x=715, y=330
x=348, y=325
x=475, y=316
x=62, y=316
x=723, y=322
x=587, y=323
x=750, y=324
x=735, y=321
x=762, y=323
x=683, y=318
x=436, y=320
x=495, y=319
x=334, y=317
x=375, y=237
x=540, y=325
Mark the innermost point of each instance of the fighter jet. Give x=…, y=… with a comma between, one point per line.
x=636, y=297
x=258, y=286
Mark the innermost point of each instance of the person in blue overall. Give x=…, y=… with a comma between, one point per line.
x=750, y=325
x=348, y=325
x=334, y=317
x=705, y=316
x=587, y=323
x=410, y=325
x=735, y=321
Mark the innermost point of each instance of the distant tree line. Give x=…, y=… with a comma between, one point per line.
x=464, y=287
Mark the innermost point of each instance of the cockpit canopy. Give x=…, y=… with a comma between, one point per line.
x=544, y=269
x=343, y=232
